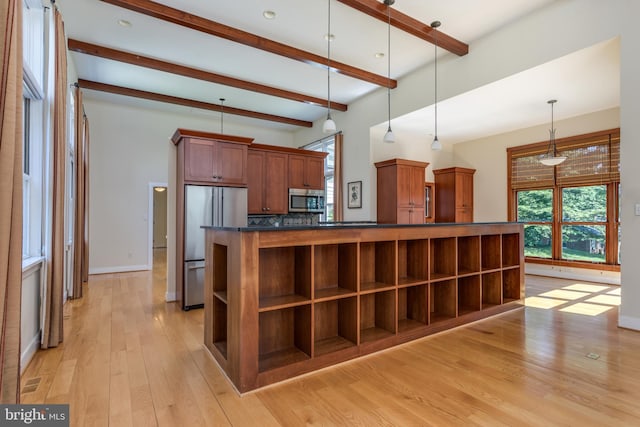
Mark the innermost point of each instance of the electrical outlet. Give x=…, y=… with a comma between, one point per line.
x=637, y=209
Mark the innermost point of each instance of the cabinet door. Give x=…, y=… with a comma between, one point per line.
x=314, y=170
x=255, y=182
x=231, y=163
x=404, y=191
x=410, y=216
x=199, y=160
x=417, y=188
x=275, y=183
x=296, y=171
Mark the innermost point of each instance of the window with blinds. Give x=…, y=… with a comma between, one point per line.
x=591, y=159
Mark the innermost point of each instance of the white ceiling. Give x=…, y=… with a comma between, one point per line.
x=358, y=37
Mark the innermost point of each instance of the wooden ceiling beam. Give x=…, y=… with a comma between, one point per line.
x=119, y=90
x=198, y=23
x=156, y=64
x=378, y=10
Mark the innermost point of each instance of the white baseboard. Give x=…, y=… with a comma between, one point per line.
x=170, y=296
x=629, y=322
x=119, y=269
x=572, y=273
x=29, y=352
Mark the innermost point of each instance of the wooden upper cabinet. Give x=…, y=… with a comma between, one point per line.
x=454, y=194
x=211, y=158
x=400, y=191
x=307, y=171
x=267, y=182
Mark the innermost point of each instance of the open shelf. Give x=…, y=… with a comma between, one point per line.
x=413, y=307
x=377, y=315
x=413, y=257
x=442, y=299
x=335, y=325
x=442, y=258
x=284, y=277
x=468, y=255
x=491, y=289
x=219, y=303
x=511, y=289
x=469, y=298
x=510, y=250
x=284, y=337
x=336, y=270
x=490, y=252
x=377, y=265
x=220, y=326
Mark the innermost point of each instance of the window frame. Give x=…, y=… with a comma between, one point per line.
x=612, y=182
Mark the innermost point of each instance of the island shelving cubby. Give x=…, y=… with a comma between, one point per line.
x=284, y=301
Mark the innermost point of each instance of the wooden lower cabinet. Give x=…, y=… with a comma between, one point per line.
x=282, y=303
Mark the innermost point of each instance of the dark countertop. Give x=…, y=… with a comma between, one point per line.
x=346, y=225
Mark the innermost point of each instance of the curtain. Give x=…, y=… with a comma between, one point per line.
x=79, y=214
x=85, y=246
x=10, y=198
x=52, y=301
x=338, y=211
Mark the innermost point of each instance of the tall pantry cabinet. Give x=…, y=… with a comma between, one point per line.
x=454, y=194
x=400, y=195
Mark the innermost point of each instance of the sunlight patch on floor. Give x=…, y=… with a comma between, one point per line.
x=586, y=309
x=545, y=303
x=578, y=298
x=605, y=299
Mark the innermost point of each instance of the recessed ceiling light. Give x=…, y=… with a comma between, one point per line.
x=329, y=37
x=379, y=55
x=269, y=14
x=124, y=23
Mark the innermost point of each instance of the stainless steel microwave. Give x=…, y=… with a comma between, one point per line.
x=302, y=200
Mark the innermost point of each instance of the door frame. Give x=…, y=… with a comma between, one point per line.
x=150, y=221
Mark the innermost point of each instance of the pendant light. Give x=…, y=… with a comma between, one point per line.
x=222, y=115
x=329, y=125
x=550, y=158
x=435, y=145
x=389, y=137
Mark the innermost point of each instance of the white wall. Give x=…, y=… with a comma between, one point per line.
x=129, y=148
x=630, y=172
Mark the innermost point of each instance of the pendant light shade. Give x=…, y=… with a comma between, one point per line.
x=550, y=158
x=389, y=136
x=435, y=145
x=329, y=125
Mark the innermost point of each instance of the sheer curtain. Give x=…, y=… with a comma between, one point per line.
x=54, y=287
x=85, y=246
x=10, y=197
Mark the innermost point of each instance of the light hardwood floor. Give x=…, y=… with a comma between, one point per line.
x=130, y=359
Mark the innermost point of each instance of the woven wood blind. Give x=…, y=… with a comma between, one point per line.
x=591, y=159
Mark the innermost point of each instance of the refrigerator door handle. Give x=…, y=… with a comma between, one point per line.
x=195, y=267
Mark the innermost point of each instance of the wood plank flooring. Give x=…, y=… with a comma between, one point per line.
x=130, y=359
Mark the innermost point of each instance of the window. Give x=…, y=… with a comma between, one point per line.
x=570, y=211
x=328, y=146
x=32, y=173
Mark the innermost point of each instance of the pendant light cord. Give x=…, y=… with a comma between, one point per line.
x=389, y=62
x=329, y=58
x=222, y=115
x=435, y=50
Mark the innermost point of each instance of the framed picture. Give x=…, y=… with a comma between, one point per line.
x=354, y=191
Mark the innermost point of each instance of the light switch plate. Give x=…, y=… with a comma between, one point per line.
x=637, y=209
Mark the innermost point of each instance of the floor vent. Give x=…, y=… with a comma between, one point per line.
x=31, y=385
x=593, y=356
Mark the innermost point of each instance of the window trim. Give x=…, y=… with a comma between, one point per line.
x=612, y=181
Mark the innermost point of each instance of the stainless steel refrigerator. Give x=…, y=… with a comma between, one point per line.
x=204, y=205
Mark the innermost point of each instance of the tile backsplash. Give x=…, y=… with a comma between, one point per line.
x=284, y=220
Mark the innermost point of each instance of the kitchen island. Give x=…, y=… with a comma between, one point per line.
x=282, y=301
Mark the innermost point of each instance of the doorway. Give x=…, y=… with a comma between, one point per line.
x=157, y=221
